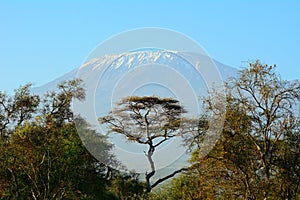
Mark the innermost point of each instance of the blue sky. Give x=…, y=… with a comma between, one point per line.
x=40, y=41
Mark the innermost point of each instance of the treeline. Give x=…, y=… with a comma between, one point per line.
x=256, y=157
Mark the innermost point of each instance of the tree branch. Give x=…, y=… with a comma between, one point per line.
x=168, y=176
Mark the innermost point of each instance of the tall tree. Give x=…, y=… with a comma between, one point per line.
x=149, y=121
x=257, y=156
x=271, y=103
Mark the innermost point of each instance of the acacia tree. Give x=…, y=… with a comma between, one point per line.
x=150, y=121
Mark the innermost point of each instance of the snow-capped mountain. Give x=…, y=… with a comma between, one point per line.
x=129, y=60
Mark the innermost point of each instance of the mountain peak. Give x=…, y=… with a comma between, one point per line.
x=133, y=58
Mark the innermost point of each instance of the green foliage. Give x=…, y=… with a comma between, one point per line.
x=126, y=186
x=43, y=157
x=51, y=163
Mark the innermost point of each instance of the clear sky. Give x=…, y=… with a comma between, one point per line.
x=42, y=40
